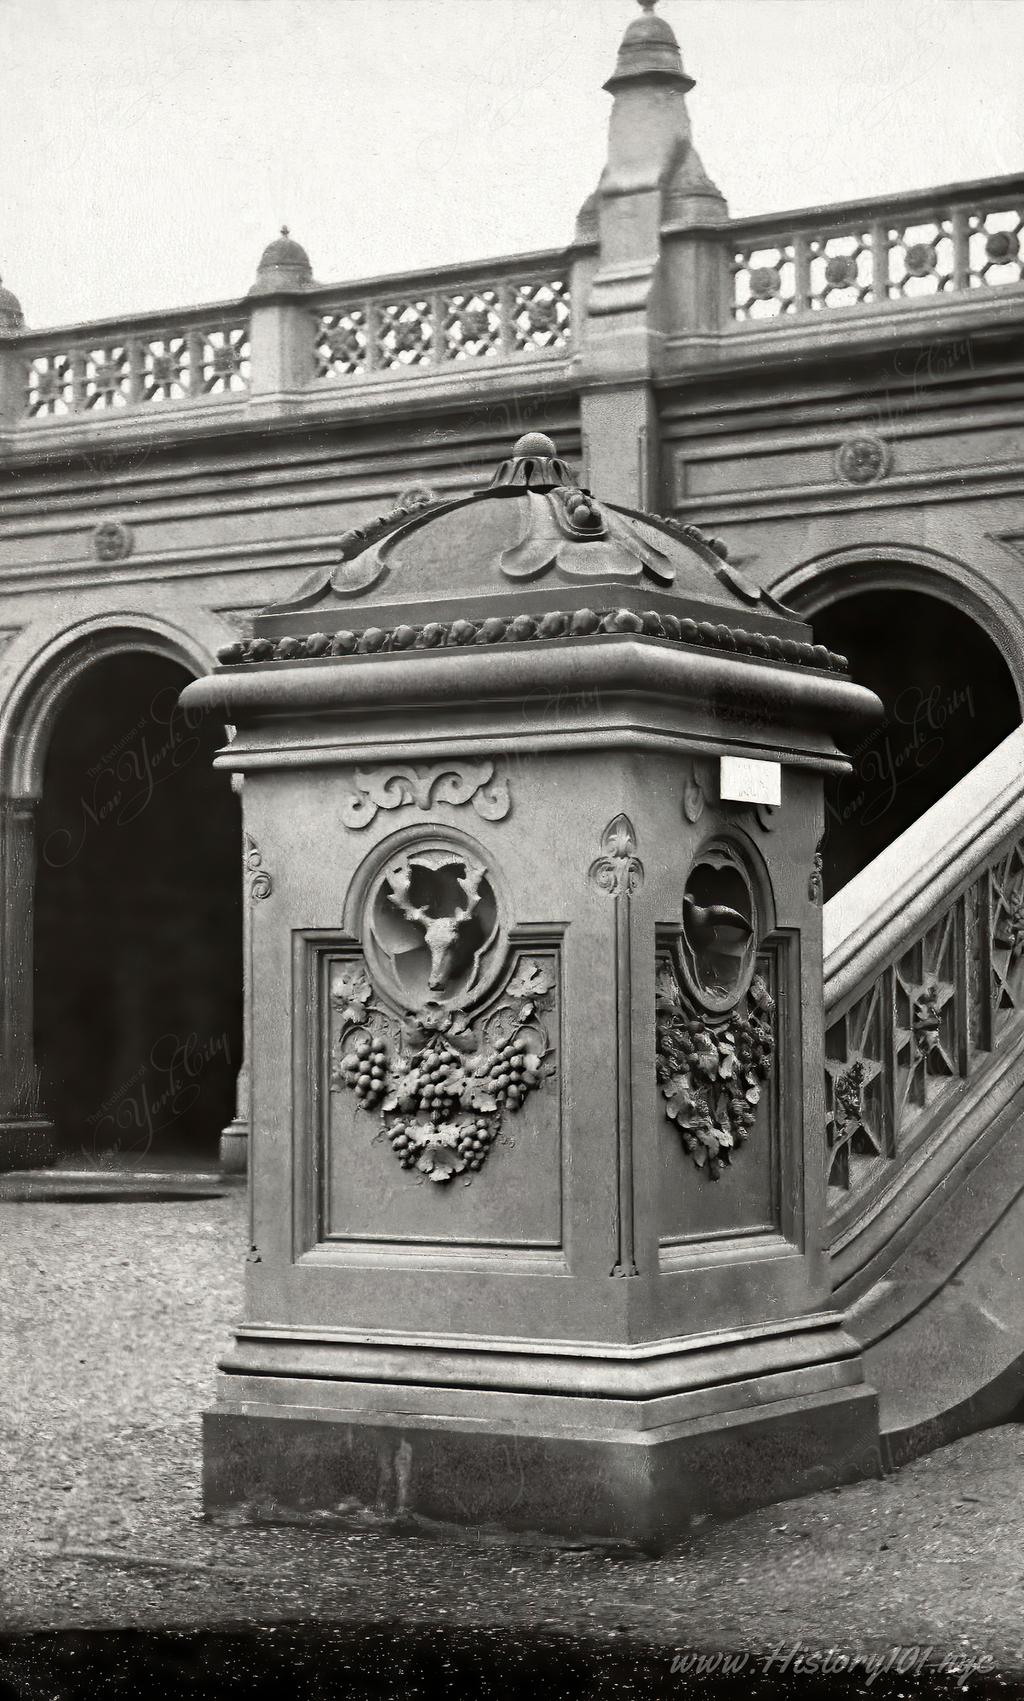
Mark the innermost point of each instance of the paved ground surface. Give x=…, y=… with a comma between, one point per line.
x=113, y=1315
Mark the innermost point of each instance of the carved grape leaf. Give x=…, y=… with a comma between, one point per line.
x=478, y=1097
x=350, y=995
x=404, y=1094
x=533, y=981
x=501, y=1026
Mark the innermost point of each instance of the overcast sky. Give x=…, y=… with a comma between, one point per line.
x=150, y=148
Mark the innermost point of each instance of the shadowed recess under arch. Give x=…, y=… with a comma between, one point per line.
x=137, y=920
x=949, y=699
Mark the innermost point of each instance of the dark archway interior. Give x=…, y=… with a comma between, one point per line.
x=949, y=699
x=138, y=922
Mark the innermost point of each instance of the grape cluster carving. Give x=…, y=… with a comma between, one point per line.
x=711, y=1073
x=443, y=1084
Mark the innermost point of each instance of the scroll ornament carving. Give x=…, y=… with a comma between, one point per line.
x=712, y=1073
x=693, y=796
x=697, y=791
x=261, y=882
x=442, y=1082
x=618, y=872
x=445, y=782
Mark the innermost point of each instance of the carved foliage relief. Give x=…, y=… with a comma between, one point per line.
x=712, y=1071
x=440, y=1035
x=714, y=1014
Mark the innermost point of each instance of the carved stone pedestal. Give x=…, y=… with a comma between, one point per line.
x=536, y=1033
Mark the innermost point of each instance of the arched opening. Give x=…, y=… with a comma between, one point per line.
x=949, y=699
x=137, y=920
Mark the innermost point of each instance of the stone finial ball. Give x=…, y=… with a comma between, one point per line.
x=534, y=443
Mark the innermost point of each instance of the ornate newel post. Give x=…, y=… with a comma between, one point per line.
x=662, y=274
x=282, y=330
x=536, y=1017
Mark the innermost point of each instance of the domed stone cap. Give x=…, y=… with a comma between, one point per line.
x=532, y=557
x=12, y=319
x=284, y=265
x=649, y=53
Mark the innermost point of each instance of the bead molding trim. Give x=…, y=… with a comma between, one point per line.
x=527, y=628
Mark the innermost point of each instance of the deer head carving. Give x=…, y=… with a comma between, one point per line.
x=442, y=933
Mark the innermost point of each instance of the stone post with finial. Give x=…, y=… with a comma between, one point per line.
x=282, y=329
x=660, y=269
x=12, y=365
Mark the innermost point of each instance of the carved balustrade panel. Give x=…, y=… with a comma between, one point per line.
x=486, y=319
x=995, y=246
x=906, y=251
x=928, y=1021
x=123, y=371
x=764, y=280
x=921, y=258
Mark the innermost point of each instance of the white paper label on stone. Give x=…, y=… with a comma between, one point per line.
x=745, y=781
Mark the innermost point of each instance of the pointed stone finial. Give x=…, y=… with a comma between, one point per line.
x=649, y=54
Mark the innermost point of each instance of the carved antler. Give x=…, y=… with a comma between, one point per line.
x=471, y=887
x=399, y=881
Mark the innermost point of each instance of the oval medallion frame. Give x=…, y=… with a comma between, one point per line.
x=722, y=927
x=430, y=912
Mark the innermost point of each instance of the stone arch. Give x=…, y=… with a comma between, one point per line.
x=943, y=649
x=80, y=683
x=33, y=705
x=838, y=573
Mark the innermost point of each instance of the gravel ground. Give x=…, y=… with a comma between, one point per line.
x=113, y=1316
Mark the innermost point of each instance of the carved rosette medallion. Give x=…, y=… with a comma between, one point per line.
x=112, y=541
x=420, y=1036
x=863, y=459
x=457, y=783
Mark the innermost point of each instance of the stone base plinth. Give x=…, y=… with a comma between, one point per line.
x=28, y=1143
x=643, y=1487
x=233, y=1155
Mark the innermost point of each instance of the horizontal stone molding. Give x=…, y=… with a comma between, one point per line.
x=524, y=628
x=651, y=1370
x=632, y=666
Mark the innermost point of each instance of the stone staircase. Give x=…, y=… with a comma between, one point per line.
x=924, y=988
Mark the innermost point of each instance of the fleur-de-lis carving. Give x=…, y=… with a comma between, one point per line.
x=618, y=871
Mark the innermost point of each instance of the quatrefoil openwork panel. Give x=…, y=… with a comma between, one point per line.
x=1007, y=887
x=857, y=1112
x=927, y=1018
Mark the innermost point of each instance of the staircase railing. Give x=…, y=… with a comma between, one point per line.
x=924, y=994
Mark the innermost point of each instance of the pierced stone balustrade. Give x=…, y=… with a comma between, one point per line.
x=520, y=307
x=878, y=253
x=924, y=990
